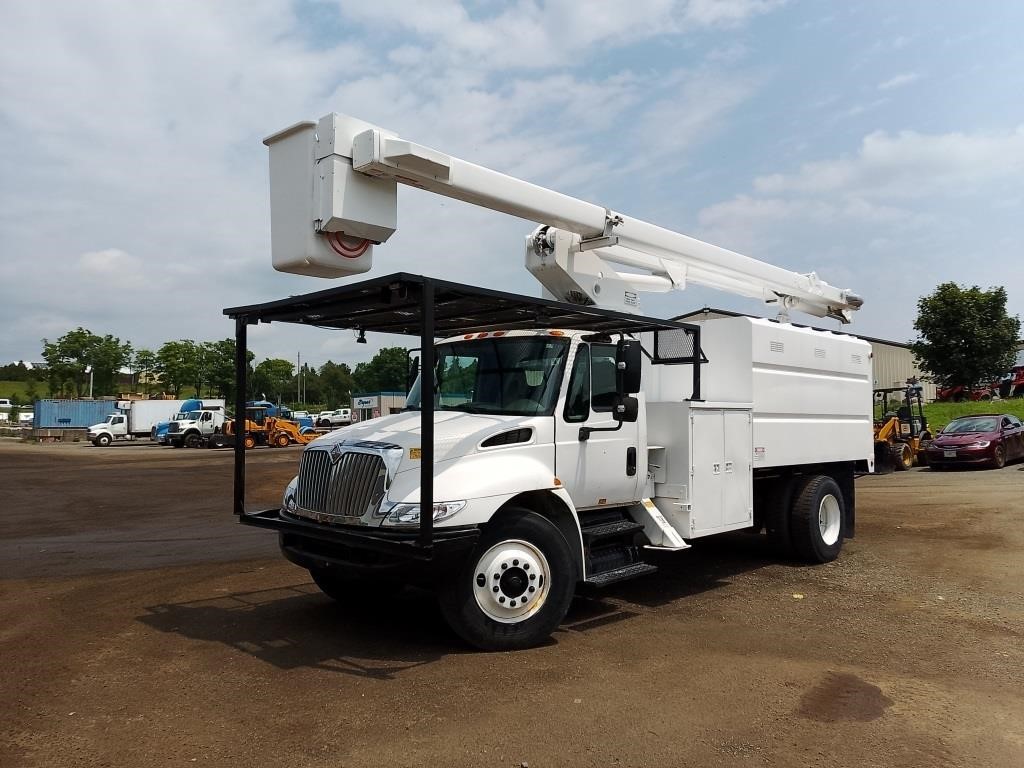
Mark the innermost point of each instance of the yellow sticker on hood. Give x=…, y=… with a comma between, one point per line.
x=414, y=453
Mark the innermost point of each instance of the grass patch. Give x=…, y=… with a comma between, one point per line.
x=940, y=414
x=11, y=389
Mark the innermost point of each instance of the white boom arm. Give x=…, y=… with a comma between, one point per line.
x=346, y=171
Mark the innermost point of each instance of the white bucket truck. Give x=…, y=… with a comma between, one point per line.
x=551, y=453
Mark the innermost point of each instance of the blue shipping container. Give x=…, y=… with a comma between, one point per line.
x=71, y=414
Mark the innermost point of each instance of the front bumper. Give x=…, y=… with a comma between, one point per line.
x=369, y=551
x=964, y=456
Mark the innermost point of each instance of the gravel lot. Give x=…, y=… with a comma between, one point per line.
x=140, y=625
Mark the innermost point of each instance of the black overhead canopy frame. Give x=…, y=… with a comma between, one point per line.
x=419, y=306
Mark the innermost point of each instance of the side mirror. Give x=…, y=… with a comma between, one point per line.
x=414, y=369
x=628, y=367
x=626, y=409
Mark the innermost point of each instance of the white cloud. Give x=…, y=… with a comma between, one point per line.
x=899, y=81
x=907, y=211
x=130, y=138
x=909, y=164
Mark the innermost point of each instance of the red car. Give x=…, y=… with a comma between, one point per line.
x=986, y=438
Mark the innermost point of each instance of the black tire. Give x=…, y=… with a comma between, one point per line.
x=805, y=532
x=324, y=423
x=102, y=441
x=176, y=443
x=902, y=456
x=999, y=457
x=458, y=597
x=776, y=517
x=352, y=590
x=193, y=440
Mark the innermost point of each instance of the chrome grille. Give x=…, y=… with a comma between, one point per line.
x=173, y=427
x=347, y=487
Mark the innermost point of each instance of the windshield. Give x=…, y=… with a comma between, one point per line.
x=192, y=416
x=975, y=424
x=514, y=376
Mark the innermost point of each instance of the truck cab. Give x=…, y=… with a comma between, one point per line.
x=114, y=427
x=196, y=427
x=569, y=455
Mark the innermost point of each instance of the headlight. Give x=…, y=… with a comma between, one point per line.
x=288, y=503
x=409, y=514
x=979, y=444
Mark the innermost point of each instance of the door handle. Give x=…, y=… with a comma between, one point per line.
x=630, y=462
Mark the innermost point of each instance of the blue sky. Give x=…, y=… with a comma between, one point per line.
x=879, y=144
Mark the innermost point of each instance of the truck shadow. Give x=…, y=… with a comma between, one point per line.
x=298, y=627
x=710, y=564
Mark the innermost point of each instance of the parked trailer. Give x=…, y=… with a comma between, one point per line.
x=71, y=414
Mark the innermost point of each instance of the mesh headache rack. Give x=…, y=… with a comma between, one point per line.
x=424, y=308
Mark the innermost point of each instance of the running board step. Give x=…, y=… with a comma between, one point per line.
x=610, y=529
x=620, y=574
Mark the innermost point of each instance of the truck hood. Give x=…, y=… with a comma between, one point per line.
x=963, y=438
x=456, y=434
x=99, y=427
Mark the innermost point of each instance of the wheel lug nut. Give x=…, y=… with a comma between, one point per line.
x=515, y=562
x=533, y=576
x=504, y=566
x=533, y=589
x=496, y=577
x=501, y=599
x=526, y=566
x=495, y=588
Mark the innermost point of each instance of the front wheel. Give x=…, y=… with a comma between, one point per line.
x=516, y=587
x=818, y=520
x=999, y=457
x=282, y=441
x=250, y=441
x=193, y=440
x=101, y=441
x=902, y=456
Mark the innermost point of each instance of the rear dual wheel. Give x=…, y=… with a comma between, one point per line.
x=817, y=520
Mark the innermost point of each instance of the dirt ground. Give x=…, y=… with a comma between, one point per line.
x=140, y=625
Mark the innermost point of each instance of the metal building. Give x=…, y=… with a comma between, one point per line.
x=892, y=361
x=370, y=405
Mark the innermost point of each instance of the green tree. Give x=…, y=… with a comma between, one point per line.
x=386, y=372
x=965, y=336
x=68, y=357
x=219, y=366
x=272, y=379
x=145, y=364
x=179, y=364
x=336, y=384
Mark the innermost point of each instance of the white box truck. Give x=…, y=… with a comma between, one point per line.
x=132, y=419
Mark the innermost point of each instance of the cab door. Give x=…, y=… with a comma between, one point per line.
x=602, y=470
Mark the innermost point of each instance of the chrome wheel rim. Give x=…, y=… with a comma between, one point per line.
x=829, y=519
x=511, y=581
